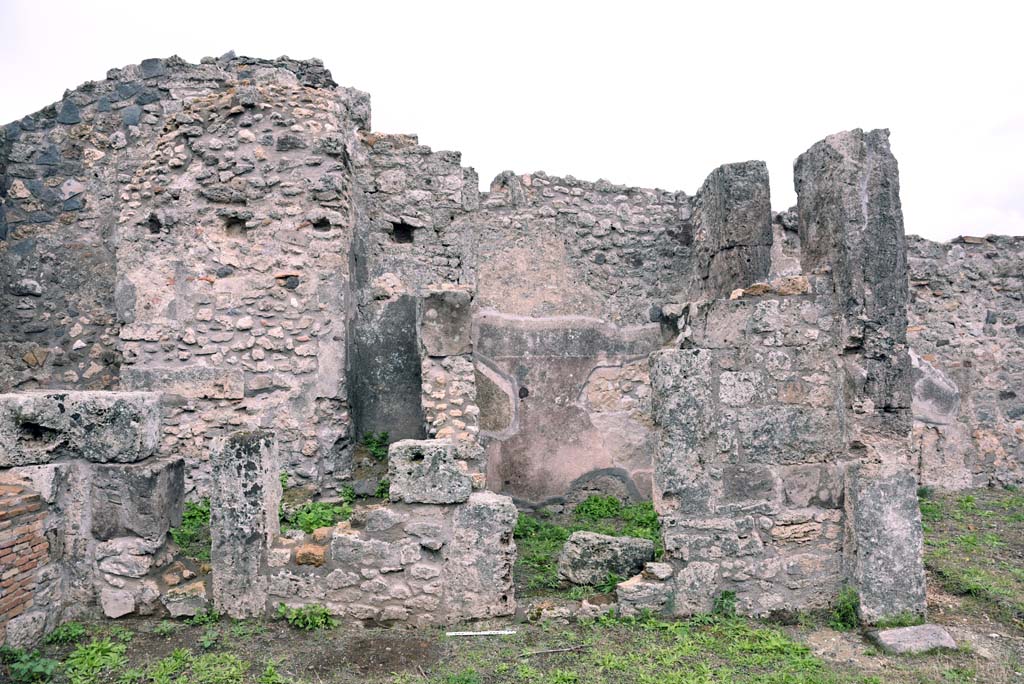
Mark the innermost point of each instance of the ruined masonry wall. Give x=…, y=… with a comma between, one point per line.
x=750, y=474
x=23, y=552
x=966, y=317
x=416, y=563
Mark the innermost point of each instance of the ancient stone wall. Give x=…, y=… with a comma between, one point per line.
x=104, y=502
x=966, y=317
x=24, y=552
x=784, y=467
x=749, y=475
x=572, y=281
x=255, y=281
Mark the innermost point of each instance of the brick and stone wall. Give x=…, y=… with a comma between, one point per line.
x=24, y=551
x=252, y=280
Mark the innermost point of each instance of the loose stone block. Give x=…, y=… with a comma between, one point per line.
x=101, y=427
x=117, y=602
x=640, y=595
x=427, y=471
x=310, y=554
x=186, y=600
x=913, y=640
x=588, y=558
x=243, y=520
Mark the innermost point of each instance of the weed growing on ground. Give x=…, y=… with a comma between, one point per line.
x=383, y=488
x=844, y=612
x=608, y=584
x=901, y=620
x=89, y=662
x=725, y=604
x=580, y=593
x=310, y=618
x=165, y=628
x=68, y=633
x=377, y=445
x=193, y=535
x=209, y=638
x=468, y=676
x=538, y=543
x=204, y=617
x=270, y=675
x=26, y=667
x=313, y=515
x=119, y=633
x=243, y=629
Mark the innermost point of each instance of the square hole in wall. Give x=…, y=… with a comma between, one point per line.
x=402, y=233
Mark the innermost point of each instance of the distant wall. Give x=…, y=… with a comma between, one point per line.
x=966, y=318
x=573, y=282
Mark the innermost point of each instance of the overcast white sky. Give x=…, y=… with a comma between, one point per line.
x=649, y=94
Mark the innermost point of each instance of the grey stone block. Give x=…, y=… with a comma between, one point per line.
x=479, y=559
x=912, y=640
x=243, y=520
x=427, y=471
x=117, y=602
x=885, y=554
x=199, y=382
x=141, y=500
x=588, y=558
x=101, y=427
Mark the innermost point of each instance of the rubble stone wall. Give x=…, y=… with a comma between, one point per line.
x=966, y=327
x=101, y=501
x=417, y=563
x=572, y=281
x=251, y=280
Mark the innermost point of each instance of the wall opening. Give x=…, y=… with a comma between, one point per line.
x=402, y=233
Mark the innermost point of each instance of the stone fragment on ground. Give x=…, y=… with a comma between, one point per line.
x=650, y=592
x=912, y=640
x=588, y=558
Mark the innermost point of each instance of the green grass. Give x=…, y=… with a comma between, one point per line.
x=193, y=535
x=972, y=545
x=538, y=540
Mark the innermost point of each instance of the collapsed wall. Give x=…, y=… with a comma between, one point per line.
x=229, y=249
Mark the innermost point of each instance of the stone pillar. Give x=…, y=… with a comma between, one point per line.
x=733, y=236
x=445, y=323
x=244, y=501
x=851, y=225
